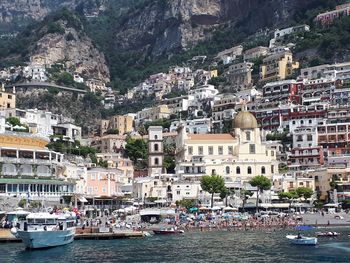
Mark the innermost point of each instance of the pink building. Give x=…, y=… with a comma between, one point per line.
x=101, y=182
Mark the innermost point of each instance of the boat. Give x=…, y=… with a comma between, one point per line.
x=168, y=231
x=12, y=218
x=327, y=234
x=44, y=230
x=302, y=240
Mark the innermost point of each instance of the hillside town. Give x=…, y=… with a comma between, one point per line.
x=274, y=118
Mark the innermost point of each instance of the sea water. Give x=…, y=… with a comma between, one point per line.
x=214, y=246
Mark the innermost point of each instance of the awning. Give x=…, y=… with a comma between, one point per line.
x=82, y=199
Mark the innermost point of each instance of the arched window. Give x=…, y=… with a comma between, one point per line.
x=156, y=137
x=238, y=170
x=263, y=170
x=249, y=170
x=247, y=135
x=227, y=170
x=156, y=161
x=156, y=147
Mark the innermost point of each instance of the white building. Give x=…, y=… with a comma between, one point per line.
x=193, y=126
x=204, y=92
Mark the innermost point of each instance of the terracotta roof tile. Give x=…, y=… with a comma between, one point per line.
x=210, y=137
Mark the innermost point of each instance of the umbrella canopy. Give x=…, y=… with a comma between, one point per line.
x=304, y=227
x=216, y=208
x=228, y=208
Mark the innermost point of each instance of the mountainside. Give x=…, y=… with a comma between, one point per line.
x=59, y=38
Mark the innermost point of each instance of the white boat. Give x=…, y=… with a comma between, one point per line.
x=44, y=230
x=301, y=240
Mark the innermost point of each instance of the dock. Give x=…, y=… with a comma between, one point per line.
x=107, y=236
x=7, y=237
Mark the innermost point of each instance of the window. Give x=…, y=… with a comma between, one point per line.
x=210, y=150
x=93, y=177
x=300, y=138
x=249, y=170
x=213, y=171
x=220, y=150
x=10, y=97
x=272, y=169
x=156, y=161
x=272, y=153
x=238, y=170
x=263, y=170
x=309, y=137
x=178, y=192
x=230, y=150
x=227, y=170
x=252, y=148
x=156, y=147
x=156, y=137
x=190, y=150
x=247, y=134
x=200, y=150
x=310, y=121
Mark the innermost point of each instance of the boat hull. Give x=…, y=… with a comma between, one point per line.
x=46, y=239
x=305, y=241
x=167, y=232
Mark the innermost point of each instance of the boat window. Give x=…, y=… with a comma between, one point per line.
x=30, y=221
x=50, y=221
x=40, y=221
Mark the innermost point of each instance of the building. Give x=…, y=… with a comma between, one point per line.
x=38, y=121
x=178, y=104
x=152, y=114
x=155, y=150
x=290, y=182
x=238, y=156
x=224, y=108
x=111, y=143
x=278, y=66
x=67, y=130
x=283, y=91
x=203, y=92
x=96, y=85
x=195, y=126
x=316, y=91
x=7, y=99
x=30, y=170
x=121, y=123
x=306, y=153
x=255, y=53
x=279, y=34
x=101, y=182
x=240, y=75
x=328, y=17
x=228, y=55
x=339, y=71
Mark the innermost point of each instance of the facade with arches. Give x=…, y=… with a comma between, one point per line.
x=237, y=156
x=155, y=150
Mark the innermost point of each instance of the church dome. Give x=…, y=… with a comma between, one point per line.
x=245, y=120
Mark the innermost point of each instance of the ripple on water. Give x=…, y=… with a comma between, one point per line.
x=247, y=246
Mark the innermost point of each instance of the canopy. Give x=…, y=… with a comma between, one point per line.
x=193, y=209
x=161, y=201
x=216, y=208
x=331, y=205
x=228, y=208
x=304, y=227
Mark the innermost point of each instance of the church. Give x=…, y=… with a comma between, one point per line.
x=237, y=156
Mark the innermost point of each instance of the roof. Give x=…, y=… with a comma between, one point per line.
x=210, y=137
x=245, y=120
x=33, y=181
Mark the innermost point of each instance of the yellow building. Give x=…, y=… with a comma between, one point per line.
x=238, y=156
x=7, y=99
x=278, y=66
x=152, y=114
x=122, y=123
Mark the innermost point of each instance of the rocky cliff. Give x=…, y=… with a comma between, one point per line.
x=73, y=48
x=163, y=26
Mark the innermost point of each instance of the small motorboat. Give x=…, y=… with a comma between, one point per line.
x=302, y=240
x=168, y=231
x=327, y=234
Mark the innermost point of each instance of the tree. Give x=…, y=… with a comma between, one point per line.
x=188, y=203
x=224, y=193
x=13, y=121
x=137, y=151
x=212, y=184
x=262, y=183
x=289, y=196
x=304, y=192
x=245, y=196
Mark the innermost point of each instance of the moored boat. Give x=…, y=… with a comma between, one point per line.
x=302, y=240
x=44, y=230
x=168, y=231
x=327, y=234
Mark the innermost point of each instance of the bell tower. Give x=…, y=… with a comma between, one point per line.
x=155, y=150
